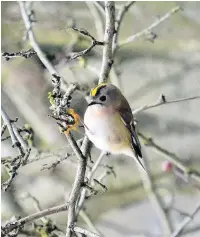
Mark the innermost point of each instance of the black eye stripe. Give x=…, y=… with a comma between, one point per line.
x=99, y=89
x=102, y=98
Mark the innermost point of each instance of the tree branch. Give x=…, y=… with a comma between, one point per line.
x=85, y=232
x=119, y=19
x=33, y=41
x=107, y=59
x=23, y=149
x=162, y=101
x=151, y=27
x=85, y=51
x=89, y=178
x=26, y=54
x=171, y=157
x=13, y=225
x=79, y=180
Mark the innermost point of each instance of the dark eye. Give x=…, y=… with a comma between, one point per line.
x=102, y=98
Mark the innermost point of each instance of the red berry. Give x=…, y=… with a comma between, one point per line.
x=167, y=166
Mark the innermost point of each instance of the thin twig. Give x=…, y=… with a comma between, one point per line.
x=85, y=51
x=25, y=54
x=85, y=232
x=107, y=59
x=8, y=123
x=3, y=129
x=190, y=173
x=185, y=222
x=56, y=163
x=163, y=101
x=151, y=27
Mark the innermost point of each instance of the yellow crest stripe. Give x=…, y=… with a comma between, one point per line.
x=94, y=90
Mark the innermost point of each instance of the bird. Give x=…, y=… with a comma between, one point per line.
x=109, y=123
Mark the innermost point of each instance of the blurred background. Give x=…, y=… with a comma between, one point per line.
x=170, y=65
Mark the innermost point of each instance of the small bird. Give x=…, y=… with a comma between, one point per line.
x=109, y=123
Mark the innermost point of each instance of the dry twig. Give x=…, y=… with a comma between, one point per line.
x=85, y=51
x=163, y=101
x=26, y=54
x=151, y=27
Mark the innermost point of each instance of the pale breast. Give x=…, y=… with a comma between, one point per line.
x=105, y=129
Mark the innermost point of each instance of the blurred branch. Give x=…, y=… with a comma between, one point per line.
x=163, y=101
x=154, y=198
x=26, y=54
x=119, y=19
x=98, y=21
x=151, y=27
x=21, y=222
x=190, y=173
x=185, y=222
x=37, y=206
x=85, y=51
x=100, y=7
x=28, y=24
x=85, y=232
x=107, y=59
x=89, y=223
